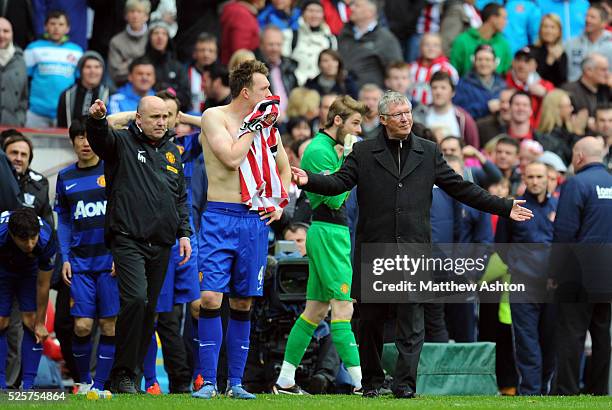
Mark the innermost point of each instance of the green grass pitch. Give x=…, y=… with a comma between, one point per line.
x=266, y=401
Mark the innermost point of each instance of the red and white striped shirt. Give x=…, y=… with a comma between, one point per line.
x=429, y=20
x=420, y=74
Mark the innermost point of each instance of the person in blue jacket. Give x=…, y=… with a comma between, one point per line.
x=141, y=79
x=582, y=277
x=478, y=91
x=523, y=23
x=532, y=320
x=279, y=13
x=27, y=247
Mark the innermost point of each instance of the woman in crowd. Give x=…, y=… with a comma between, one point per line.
x=299, y=128
x=303, y=103
x=430, y=61
x=548, y=51
x=333, y=78
x=559, y=129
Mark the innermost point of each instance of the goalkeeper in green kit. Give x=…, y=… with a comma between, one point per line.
x=328, y=245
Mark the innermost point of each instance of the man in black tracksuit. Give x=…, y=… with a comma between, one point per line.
x=146, y=211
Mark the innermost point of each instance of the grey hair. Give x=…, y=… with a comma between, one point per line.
x=392, y=97
x=590, y=61
x=134, y=4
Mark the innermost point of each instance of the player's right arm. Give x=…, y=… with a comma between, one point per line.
x=101, y=138
x=64, y=228
x=229, y=151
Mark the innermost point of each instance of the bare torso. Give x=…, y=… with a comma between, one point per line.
x=223, y=182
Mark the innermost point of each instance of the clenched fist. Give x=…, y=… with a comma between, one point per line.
x=98, y=110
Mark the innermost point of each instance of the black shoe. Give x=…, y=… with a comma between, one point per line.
x=294, y=390
x=404, y=394
x=318, y=384
x=123, y=384
x=370, y=393
x=383, y=391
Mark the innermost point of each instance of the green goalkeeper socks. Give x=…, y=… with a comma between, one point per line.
x=344, y=340
x=299, y=339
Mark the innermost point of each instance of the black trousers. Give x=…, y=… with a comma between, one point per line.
x=409, y=339
x=573, y=321
x=64, y=328
x=175, y=356
x=435, y=325
x=141, y=269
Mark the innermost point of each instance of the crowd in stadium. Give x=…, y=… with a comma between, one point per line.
x=514, y=94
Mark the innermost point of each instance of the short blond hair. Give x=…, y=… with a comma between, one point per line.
x=303, y=101
x=145, y=5
x=239, y=57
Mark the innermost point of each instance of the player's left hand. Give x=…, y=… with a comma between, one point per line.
x=113, y=271
x=519, y=213
x=273, y=216
x=41, y=332
x=184, y=250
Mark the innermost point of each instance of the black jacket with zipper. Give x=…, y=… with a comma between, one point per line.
x=145, y=186
x=395, y=183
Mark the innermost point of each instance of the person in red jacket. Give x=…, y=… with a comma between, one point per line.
x=337, y=12
x=239, y=27
x=524, y=77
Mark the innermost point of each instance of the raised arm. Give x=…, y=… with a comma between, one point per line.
x=231, y=152
x=102, y=139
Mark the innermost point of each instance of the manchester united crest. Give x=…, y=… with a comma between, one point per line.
x=344, y=288
x=101, y=181
x=170, y=157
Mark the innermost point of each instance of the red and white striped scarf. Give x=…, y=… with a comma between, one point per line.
x=420, y=74
x=261, y=187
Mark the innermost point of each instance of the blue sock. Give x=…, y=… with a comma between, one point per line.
x=30, y=357
x=210, y=334
x=195, y=342
x=237, y=339
x=104, y=364
x=3, y=354
x=81, y=351
x=148, y=367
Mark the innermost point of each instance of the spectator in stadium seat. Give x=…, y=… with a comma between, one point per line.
x=559, y=128
x=533, y=323
x=51, y=63
x=76, y=100
x=205, y=53
x=13, y=79
x=367, y=47
x=402, y=17
x=239, y=57
x=280, y=13
x=571, y=12
x=20, y=14
x=108, y=20
x=521, y=111
x=444, y=118
x=333, y=77
x=370, y=95
x=131, y=42
x=594, y=39
x=484, y=175
x=478, y=91
x=603, y=127
x=430, y=61
x=457, y=17
x=76, y=13
x=592, y=87
x=239, y=27
x=507, y=159
x=141, y=79
x=524, y=77
x=282, y=69
x=299, y=129
x=523, y=22
x=169, y=72
x=33, y=186
x=490, y=32
x=303, y=103
x=326, y=102
x=492, y=125
x=337, y=14
x=397, y=78
x=216, y=85
x=306, y=43
x=548, y=51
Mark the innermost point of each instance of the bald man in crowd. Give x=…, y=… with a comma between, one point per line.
x=147, y=211
x=581, y=277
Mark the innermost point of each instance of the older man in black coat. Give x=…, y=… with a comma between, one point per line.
x=395, y=174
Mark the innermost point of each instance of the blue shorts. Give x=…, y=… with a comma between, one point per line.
x=181, y=284
x=233, y=249
x=94, y=295
x=22, y=286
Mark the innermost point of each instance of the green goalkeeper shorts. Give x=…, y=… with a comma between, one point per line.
x=329, y=262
